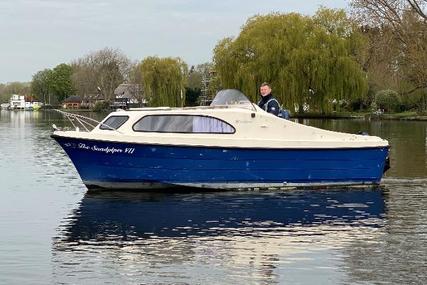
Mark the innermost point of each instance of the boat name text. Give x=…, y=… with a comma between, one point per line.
x=107, y=149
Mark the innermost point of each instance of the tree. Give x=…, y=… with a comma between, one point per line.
x=403, y=23
x=390, y=11
x=106, y=69
x=199, y=84
x=203, y=78
x=388, y=100
x=8, y=89
x=164, y=80
x=53, y=85
x=308, y=60
x=195, y=78
x=60, y=81
x=135, y=77
x=40, y=85
x=192, y=96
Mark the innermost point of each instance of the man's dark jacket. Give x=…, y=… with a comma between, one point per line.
x=269, y=104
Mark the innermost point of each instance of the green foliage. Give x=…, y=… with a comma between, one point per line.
x=40, y=85
x=308, y=60
x=416, y=101
x=388, y=100
x=195, y=78
x=4, y=98
x=8, y=89
x=101, y=106
x=60, y=82
x=192, y=96
x=55, y=83
x=164, y=80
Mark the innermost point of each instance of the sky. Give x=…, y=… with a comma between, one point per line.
x=39, y=34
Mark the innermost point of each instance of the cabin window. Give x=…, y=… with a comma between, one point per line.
x=183, y=124
x=113, y=122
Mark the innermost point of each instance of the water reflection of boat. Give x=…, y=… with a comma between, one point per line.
x=231, y=144
x=125, y=217
x=215, y=238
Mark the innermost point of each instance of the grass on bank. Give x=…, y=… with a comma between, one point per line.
x=407, y=115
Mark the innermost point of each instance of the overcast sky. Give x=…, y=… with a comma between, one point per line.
x=38, y=34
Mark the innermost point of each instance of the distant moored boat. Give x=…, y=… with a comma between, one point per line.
x=5, y=106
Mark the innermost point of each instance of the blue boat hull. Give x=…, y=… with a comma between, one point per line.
x=128, y=165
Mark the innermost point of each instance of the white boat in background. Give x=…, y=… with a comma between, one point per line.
x=33, y=106
x=5, y=106
x=17, y=102
x=230, y=144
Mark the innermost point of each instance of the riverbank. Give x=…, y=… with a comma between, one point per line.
x=407, y=116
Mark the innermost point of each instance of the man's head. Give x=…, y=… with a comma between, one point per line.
x=265, y=89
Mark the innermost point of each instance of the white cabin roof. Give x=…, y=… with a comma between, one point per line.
x=254, y=128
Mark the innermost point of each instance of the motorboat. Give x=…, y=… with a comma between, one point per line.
x=231, y=144
x=5, y=106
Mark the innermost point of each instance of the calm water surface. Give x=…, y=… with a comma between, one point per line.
x=53, y=232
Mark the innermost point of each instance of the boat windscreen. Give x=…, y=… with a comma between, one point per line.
x=231, y=97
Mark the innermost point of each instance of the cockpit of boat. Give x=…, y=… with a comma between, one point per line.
x=227, y=98
x=232, y=97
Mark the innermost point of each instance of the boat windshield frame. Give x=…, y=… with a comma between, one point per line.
x=232, y=98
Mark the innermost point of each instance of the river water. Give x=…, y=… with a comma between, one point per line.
x=52, y=231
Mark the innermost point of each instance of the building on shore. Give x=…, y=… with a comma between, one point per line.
x=72, y=102
x=128, y=95
x=89, y=101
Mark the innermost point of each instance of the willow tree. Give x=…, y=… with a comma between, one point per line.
x=308, y=60
x=164, y=80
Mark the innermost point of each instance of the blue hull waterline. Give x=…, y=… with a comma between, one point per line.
x=130, y=165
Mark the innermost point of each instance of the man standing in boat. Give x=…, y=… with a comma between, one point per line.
x=268, y=103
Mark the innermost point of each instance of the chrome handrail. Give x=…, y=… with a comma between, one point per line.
x=88, y=124
x=79, y=121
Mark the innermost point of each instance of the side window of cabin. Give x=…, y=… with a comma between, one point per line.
x=211, y=125
x=113, y=122
x=183, y=124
